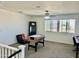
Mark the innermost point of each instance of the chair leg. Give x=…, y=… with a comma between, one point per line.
x=77, y=51
x=28, y=46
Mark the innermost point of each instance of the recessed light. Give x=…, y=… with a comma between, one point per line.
x=20, y=11
x=37, y=6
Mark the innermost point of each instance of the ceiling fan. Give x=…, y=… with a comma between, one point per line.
x=48, y=15
x=46, y=12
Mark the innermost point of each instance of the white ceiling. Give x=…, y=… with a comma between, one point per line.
x=32, y=7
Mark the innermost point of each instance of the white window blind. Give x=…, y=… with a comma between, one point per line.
x=65, y=25
x=62, y=26
x=47, y=25
x=71, y=26
x=53, y=25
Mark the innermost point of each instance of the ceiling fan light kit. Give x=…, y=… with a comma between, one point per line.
x=47, y=15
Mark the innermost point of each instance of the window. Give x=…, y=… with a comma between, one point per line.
x=71, y=26
x=53, y=25
x=47, y=25
x=65, y=25
x=62, y=26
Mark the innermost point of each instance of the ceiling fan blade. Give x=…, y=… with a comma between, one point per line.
x=52, y=15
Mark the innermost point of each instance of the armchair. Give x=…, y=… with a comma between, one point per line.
x=21, y=39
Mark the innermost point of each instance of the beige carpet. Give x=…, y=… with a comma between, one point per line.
x=52, y=50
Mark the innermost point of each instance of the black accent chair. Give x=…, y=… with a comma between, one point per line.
x=76, y=44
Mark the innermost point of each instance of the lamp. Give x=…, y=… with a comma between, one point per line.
x=47, y=16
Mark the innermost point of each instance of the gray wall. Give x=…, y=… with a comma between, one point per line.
x=57, y=36
x=11, y=24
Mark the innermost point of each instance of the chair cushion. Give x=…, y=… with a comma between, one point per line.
x=24, y=37
x=19, y=39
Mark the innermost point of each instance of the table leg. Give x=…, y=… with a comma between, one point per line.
x=28, y=45
x=36, y=47
x=43, y=42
